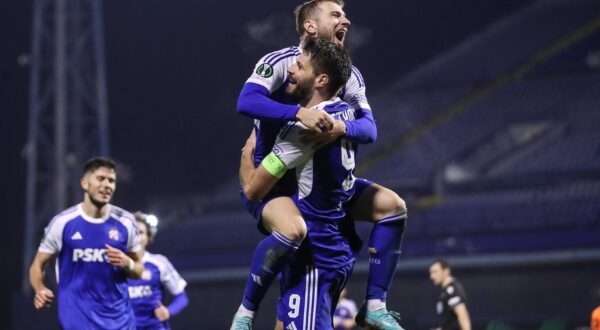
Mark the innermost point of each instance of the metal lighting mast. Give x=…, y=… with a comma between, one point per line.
x=68, y=110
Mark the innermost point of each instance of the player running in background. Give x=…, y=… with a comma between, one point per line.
x=146, y=293
x=98, y=247
x=312, y=282
x=263, y=98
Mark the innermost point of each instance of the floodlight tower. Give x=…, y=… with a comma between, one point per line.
x=68, y=110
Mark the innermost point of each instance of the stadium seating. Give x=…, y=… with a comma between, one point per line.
x=538, y=195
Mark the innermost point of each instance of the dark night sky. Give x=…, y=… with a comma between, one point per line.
x=174, y=71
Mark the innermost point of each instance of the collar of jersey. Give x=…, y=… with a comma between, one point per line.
x=94, y=220
x=323, y=104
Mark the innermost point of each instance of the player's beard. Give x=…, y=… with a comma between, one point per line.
x=97, y=203
x=330, y=36
x=303, y=91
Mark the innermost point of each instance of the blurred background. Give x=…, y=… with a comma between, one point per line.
x=489, y=127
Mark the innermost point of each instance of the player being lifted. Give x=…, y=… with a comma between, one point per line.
x=263, y=98
x=98, y=246
x=312, y=282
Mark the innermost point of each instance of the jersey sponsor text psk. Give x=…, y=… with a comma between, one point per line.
x=92, y=293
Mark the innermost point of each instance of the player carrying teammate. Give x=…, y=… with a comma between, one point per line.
x=263, y=97
x=312, y=282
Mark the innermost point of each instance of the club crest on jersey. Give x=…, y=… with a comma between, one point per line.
x=113, y=234
x=146, y=275
x=264, y=70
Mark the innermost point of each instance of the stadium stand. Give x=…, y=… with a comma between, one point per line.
x=502, y=129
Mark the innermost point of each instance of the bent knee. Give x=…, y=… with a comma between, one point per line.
x=390, y=205
x=295, y=229
x=399, y=205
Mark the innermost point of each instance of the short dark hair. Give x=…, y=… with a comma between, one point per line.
x=307, y=10
x=331, y=59
x=443, y=263
x=95, y=163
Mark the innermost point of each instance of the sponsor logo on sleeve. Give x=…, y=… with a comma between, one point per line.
x=264, y=70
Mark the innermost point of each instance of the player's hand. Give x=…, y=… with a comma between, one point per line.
x=161, y=312
x=250, y=144
x=117, y=257
x=43, y=298
x=323, y=138
x=316, y=120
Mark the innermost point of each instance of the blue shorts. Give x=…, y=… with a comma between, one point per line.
x=359, y=186
x=256, y=208
x=309, y=296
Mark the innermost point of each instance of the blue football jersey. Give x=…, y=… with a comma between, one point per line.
x=92, y=294
x=325, y=180
x=271, y=72
x=146, y=292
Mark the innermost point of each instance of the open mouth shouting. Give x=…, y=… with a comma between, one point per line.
x=340, y=35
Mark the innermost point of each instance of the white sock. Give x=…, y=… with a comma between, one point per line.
x=375, y=305
x=243, y=311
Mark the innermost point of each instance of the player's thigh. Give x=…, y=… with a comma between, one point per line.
x=281, y=214
x=376, y=202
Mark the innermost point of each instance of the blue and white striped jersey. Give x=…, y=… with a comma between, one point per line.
x=92, y=294
x=146, y=292
x=271, y=72
x=325, y=179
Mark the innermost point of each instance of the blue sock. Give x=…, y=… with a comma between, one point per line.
x=271, y=254
x=384, y=251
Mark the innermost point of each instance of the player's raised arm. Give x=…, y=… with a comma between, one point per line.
x=363, y=130
x=43, y=296
x=325, y=137
x=254, y=102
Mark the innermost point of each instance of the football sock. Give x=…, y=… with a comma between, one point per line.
x=384, y=251
x=270, y=256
